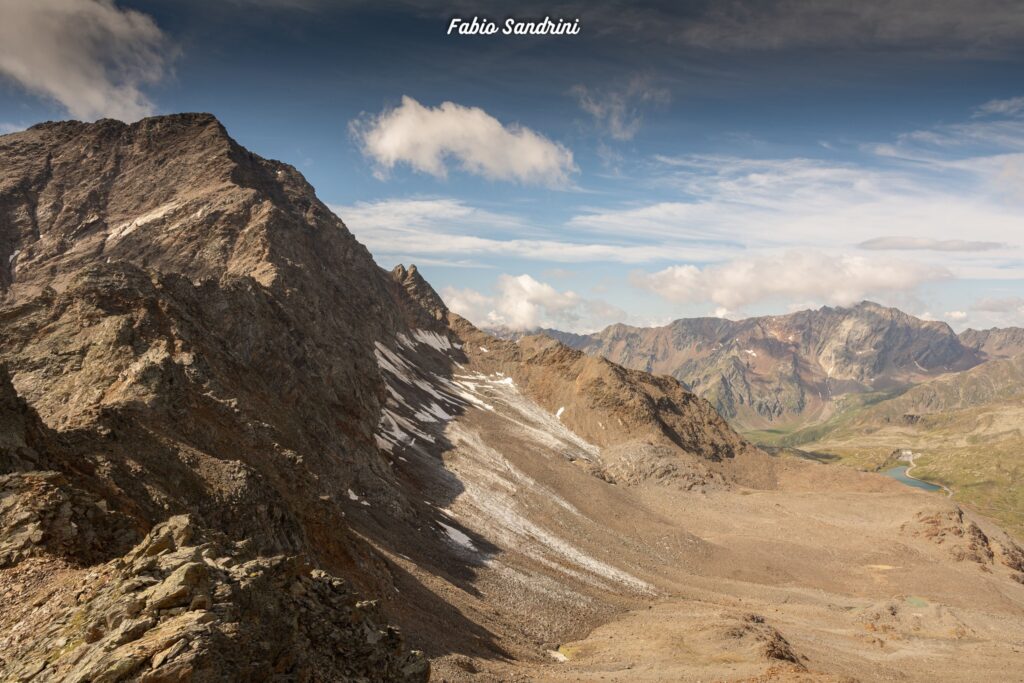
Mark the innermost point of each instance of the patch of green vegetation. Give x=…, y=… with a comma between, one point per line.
x=847, y=410
x=967, y=429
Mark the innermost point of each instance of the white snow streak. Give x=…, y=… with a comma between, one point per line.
x=458, y=537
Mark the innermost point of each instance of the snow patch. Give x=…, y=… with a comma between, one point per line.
x=128, y=228
x=458, y=537
x=492, y=503
x=433, y=340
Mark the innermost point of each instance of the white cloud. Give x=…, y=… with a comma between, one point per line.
x=6, y=128
x=427, y=138
x=941, y=196
x=524, y=303
x=895, y=243
x=617, y=111
x=805, y=275
x=1003, y=311
x=443, y=227
x=89, y=55
x=755, y=204
x=1010, y=304
x=1007, y=107
x=468, y=303
x=955, y=316
x=425, y=214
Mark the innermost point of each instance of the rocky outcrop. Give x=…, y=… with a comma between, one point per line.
x=42, y=513
x=185, y=604
x=965, y=541
x=642, y=422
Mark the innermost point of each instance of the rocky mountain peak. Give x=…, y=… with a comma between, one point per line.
x=419, y=290
x=175, y=193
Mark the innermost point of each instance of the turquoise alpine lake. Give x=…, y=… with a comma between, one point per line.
x=900, y=475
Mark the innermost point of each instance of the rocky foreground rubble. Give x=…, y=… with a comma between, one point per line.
x=184, y=604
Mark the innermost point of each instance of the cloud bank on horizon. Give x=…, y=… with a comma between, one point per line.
x=753, y=157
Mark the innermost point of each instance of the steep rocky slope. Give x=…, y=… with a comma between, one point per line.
x=233, y=447
x=780, y=371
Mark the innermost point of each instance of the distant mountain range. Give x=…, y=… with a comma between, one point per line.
x=854, y=383
x=789, y=370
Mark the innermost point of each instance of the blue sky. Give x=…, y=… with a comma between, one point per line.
x=674, y=159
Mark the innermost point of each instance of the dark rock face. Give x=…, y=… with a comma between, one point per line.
x=779, y=368
x=196, y=333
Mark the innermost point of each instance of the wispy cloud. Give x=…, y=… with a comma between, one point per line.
x=801, y=275
x=780, y=203
x=428, y=138
x=1009, y=107
x=999, y=305
x=91, y=56
x=444, y=227
x=735, y=232
x=900, y=243
x=617, y=111
x=996, y=311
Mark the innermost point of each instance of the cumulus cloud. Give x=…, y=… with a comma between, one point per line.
x=897, y=243
x=429, y=138
x=955, y=316
x=523, y=303
x=617, y=111
x=804, y=275
x=89, y=55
